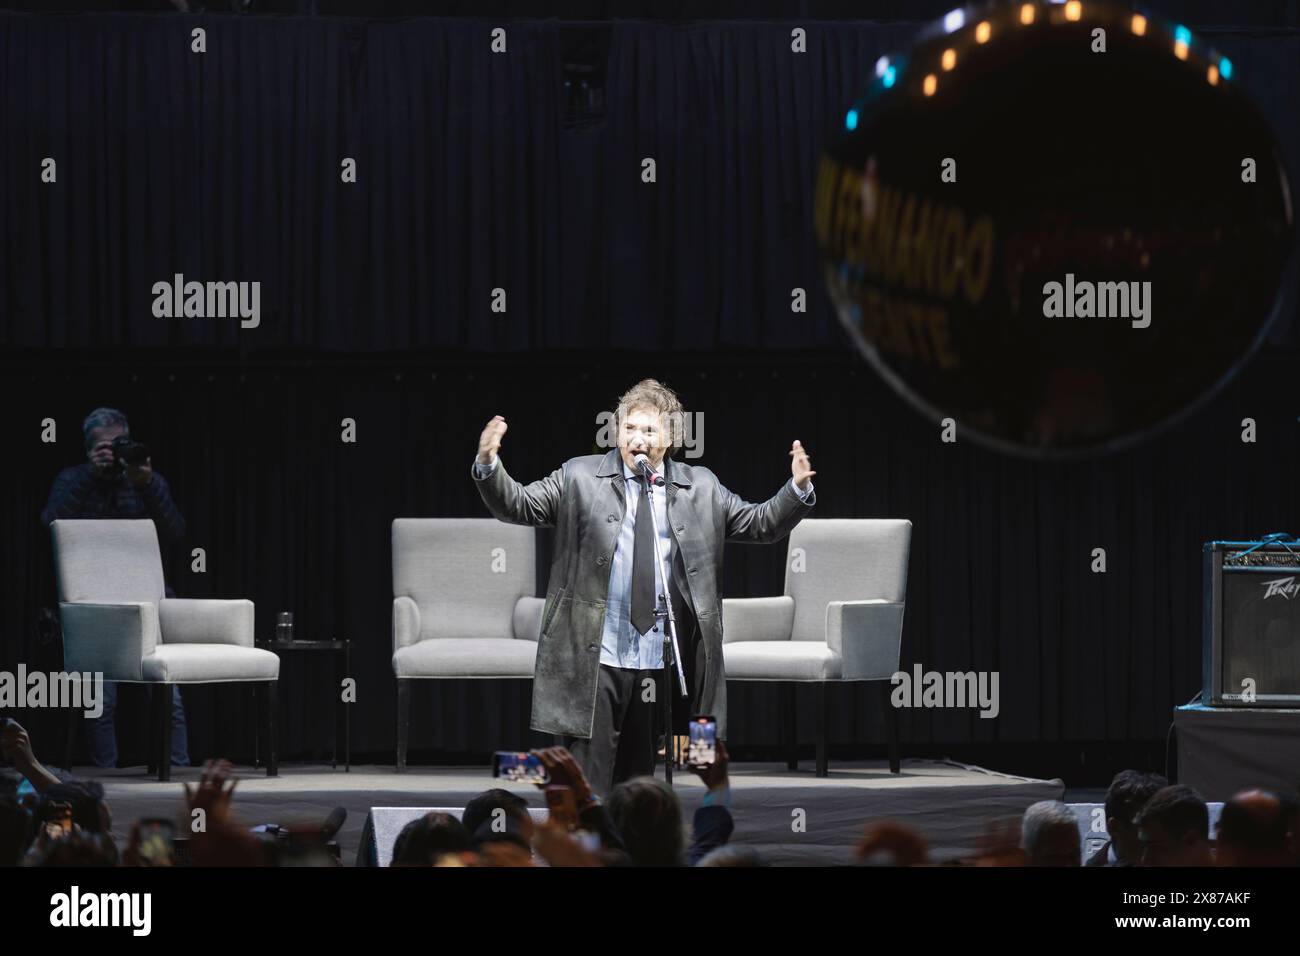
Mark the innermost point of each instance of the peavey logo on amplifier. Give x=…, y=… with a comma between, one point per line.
x=1286, y=587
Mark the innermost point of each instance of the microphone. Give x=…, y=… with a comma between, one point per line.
x=642, y=465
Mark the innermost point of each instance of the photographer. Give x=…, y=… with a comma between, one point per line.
x=118, y=481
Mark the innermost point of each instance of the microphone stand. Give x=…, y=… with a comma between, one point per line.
x=664, y=612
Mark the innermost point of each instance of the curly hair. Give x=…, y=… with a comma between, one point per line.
x=651, y=393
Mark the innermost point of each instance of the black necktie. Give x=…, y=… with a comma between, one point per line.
x=643, y=565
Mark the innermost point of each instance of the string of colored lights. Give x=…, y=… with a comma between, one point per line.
x=889, y=68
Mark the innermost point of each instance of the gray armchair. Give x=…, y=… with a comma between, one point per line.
x=840, y=619
x=117, y=621
x=463, y=605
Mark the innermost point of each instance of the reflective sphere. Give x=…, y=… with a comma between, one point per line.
x=1061, y=248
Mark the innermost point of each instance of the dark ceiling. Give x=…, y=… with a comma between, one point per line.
x=1249, y=14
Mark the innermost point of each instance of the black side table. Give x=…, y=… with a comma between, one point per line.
x=342, y=651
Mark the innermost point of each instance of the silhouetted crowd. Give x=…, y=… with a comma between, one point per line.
x=1148, y=823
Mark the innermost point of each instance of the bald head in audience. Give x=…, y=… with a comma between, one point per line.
x=1254, y=830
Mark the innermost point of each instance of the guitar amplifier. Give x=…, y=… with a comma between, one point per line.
x=1251, y=624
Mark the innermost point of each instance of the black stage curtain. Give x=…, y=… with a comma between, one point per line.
x=1000, y=575
x=475, y=172
x=472, y=175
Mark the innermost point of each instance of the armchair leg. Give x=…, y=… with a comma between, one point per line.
x=823, y=730
x=162, y=703
x=151, y=766
x=789, y=694
x=151, y=752
x=403, y=720
x=257, y=726
x=73, y=714
x=272, y=748
x=891, y=731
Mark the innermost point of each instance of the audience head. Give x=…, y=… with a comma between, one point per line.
x=497, y=814
x=733, y=855
x=1049, y=834
x=1174, y=828
x=16, y=829
x=103, y=424
x=1291, y=807
x=648, y=816
x=423, y=841
x=78, y=848
x=1254, y=828
x=893, y=844
x=1128, y=794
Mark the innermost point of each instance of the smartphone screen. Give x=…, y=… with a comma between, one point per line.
x=519, y=767
x=58, y=820
x=156, y=842
x=702, y=749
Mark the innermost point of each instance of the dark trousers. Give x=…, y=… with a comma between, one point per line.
x=624, y=739
x=101, y=732
x=624, y=735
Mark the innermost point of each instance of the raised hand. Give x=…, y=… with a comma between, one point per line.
x=800, y=465
x=15, y=745
x=140, y=475
x=489, y=443
x=715, y=774
x=212, y=796
x=563, y=769
x=102, y=460
x=558, y=847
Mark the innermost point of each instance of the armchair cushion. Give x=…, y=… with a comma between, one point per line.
x=109, y=638
x=466, y=657
x=528, y=618
x=757, y=619
x=194, y=621
x=209, y=664
x=780, y=660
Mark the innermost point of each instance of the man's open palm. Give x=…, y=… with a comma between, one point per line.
x=800, y=465
x=489, y=443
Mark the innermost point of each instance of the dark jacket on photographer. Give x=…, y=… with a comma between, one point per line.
x=79, y=492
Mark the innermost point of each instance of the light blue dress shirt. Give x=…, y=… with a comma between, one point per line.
x=620, y=644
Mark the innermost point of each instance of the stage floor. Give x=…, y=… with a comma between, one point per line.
x=950, y=803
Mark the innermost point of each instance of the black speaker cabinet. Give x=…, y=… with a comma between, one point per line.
x=1251, y=628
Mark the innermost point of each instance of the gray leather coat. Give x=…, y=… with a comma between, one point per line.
x=583, y=500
